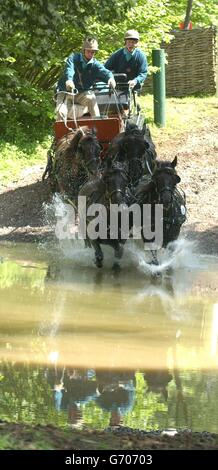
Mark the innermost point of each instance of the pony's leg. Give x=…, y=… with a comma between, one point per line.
x=50, y=158
x=87, y=243
x=98, y=254
x=118, y=249
x=118, y=252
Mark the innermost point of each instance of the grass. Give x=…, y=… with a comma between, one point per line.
x=182, y=116
x=6, y=442
x=15, y=157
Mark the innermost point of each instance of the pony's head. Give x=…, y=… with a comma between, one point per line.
x=88, y=150
x=132, y=151
x=116, y=180
x=165, y=179
x=82, y=148
x=136, y=148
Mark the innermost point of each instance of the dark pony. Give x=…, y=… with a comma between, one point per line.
x=106, y=189
x=136, y=148
x=161, y=189
x=76, y=157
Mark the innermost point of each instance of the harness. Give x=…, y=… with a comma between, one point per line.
x=117, y=166
x=166, y=188
x=87, y=162
x=175, y=211
x=74, y=181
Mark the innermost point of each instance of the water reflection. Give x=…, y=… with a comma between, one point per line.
x=111, y=392
x=97, y=399
x=110, y=318
x=103, y=348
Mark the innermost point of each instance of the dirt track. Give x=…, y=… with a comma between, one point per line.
x=24, y=436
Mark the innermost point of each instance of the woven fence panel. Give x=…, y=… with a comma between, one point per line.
x=191, y=63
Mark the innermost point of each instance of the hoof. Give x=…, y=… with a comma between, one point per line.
x=156, y=275
x=169, y=271
x=116, y=267
x=99, y=263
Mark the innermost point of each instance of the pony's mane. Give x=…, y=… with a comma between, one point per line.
x=67, y=142
x=162, y=165
x=135, y=134
x=133, y=129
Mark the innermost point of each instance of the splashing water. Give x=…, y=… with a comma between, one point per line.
x=181, y=254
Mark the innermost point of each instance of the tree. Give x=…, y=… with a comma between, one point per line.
x=203, y=13
x=36, y=37
x=188, y=14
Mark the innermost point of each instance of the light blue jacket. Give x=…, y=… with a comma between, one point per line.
x=133, y=65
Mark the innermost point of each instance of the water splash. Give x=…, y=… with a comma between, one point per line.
x=181, y=254
x=179, y=265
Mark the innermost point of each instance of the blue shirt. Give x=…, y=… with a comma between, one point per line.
x=84, y=74
x=134, y=65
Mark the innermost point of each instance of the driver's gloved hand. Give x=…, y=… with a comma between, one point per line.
x=111, y=82
x=70, y=85
x=132, y=83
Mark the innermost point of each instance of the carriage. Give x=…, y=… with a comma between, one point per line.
x=117, y=108
x=112, y=160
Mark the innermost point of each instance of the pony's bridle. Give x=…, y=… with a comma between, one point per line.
x=139, y=170
x=86, y=163
x=166, y=188
x=117, y=166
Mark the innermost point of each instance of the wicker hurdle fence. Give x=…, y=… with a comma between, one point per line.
x=191, y=63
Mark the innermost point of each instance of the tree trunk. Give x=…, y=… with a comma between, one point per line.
x=188, y=13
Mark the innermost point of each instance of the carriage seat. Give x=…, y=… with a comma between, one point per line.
x=107, y=100
x=65, y=110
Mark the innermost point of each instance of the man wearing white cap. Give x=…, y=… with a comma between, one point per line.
x=81, y=72
x=130, y=60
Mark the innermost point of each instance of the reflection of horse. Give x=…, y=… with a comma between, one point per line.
x=116, y=393
x=161, y=189
x=76, y=156
x=135, y=147
x=109, y=188
x=157, y=381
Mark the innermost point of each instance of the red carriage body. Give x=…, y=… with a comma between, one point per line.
x=106, y=128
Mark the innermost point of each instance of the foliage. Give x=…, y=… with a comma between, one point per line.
x=203, y=13
x=18, y=152
x=148, y=17
x=27, y=397
x=24, y=393
x=37, y=36
x=12, y=274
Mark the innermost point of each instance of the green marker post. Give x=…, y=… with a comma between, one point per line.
x=159, y=87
